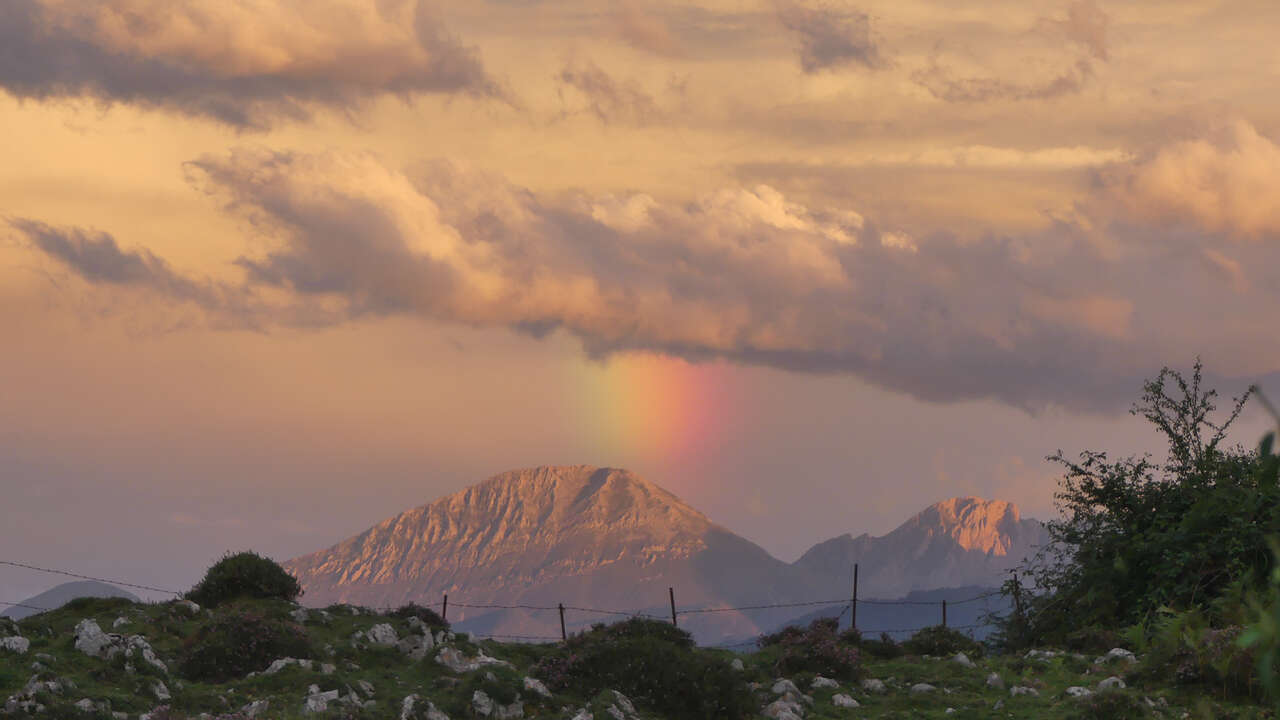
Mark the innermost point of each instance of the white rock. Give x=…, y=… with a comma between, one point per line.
x=160, y=691
x=584, y=714
x=1041, y=655
x=253, y=709
x=962, y=659
x=536, y=687
x=366, y=687
x=278, y=665
x=784, y=710
x=138, y=645
x=85, y=705
x=416, y=646
x=1078, y=692
x=18, y=645
x=1117, y=654
x=995, y=681
x=873, y=685
x=189, y=606
x=486, y=707
x=822, y=682
x=328, y=668
x=783, y=686
x=91, y=641
x=1112, y=682
x=922, y=688
x=624, y=702
x=1017, y=690
x=844, y=701
x=318, y=701
x=382, y=634
x=949, y=711
x=299, y=615
x=453, y=659
x=120, y=622
x=737, y=665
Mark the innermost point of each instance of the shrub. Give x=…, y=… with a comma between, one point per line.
x=942, y=641
x=428, y=616
x=238, y=641
x=817, y=649
x=244, y=575
x=884, y=648
x=652, y=663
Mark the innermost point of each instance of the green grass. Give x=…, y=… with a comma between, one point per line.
x=168, y=626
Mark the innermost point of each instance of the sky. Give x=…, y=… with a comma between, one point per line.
x=272, y=271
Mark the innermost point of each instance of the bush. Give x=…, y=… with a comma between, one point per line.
x=428, y=616
x=239, y=641
x=1110, y=705
x=652, y=663
x=942, y=641
x=884, y=648
x=817, y=649
x=244, y=575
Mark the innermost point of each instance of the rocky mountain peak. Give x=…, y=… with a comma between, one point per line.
x=975, y=524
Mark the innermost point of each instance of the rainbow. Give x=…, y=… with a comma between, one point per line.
x=654, y=407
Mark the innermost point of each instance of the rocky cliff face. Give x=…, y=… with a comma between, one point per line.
x=956, y=542
x=579, y=535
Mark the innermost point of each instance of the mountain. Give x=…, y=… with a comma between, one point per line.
x=62, y=594
x=956, y=542
x=578, y=535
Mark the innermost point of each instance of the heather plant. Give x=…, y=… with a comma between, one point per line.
x=244, y=575
x=817, y=649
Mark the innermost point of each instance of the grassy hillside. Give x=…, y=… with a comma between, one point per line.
x=373, y=681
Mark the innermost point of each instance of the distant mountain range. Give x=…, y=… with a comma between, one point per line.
x=607, y=539
x=62, y=594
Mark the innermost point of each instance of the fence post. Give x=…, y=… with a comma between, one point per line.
x=853, y=617
x=444, y=609
x=672, y=592
x=563, y=635
x=944, y=613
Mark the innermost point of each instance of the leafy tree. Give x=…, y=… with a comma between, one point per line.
x=244, y=575
x=1138, y=535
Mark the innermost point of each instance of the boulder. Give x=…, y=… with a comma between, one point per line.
x=843, y=701
x=317, y=701
x=160, y=691
x=1076, y=691
x=822, y=682
x=962, y=659
x=91, y=641
x=18, y=645
x=453, y=659
x=536, y=687
x=485, y=706
x=416, y=646
x=1111, y=683
x=1017, y=690
x=873, y=685
x=382, y=634
x=1116, y=654
x=995, y=681
x=120, y=622
x=920, y=688
x=784, y=710
x=137, y=645
x=254, y=709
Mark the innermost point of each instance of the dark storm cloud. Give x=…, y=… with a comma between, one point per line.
x=217, y=60
x=831, y=38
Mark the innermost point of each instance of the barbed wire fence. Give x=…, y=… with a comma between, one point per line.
x=849, y=605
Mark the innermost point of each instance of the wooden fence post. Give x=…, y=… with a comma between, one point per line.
x=944, y=613
x=853, y=617
x=672, y=592
x=563, y=635
x=444, y=609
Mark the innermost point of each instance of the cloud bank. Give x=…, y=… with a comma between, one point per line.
x=1072, y=316
x=831, y=38
x=245, y=63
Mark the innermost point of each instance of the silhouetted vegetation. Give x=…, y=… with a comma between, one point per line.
x=240, y=640
x=818, y=649
x=244, y=575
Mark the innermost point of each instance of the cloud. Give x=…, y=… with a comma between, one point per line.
x=744, y=274
x=831, y=38
x=245, y=63
x=1227, y=183
x=645, y=31
x=1084, y=26
x=609, y=99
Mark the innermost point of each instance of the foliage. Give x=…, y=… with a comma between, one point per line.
x=237, y=641
x=1137, y=535
x=1263, y=635
x=816, y=649
x=652, y=663
x=244, y=575
x=1182, y=647
x=942, y=641
x=884, y=648
x=428, y=616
